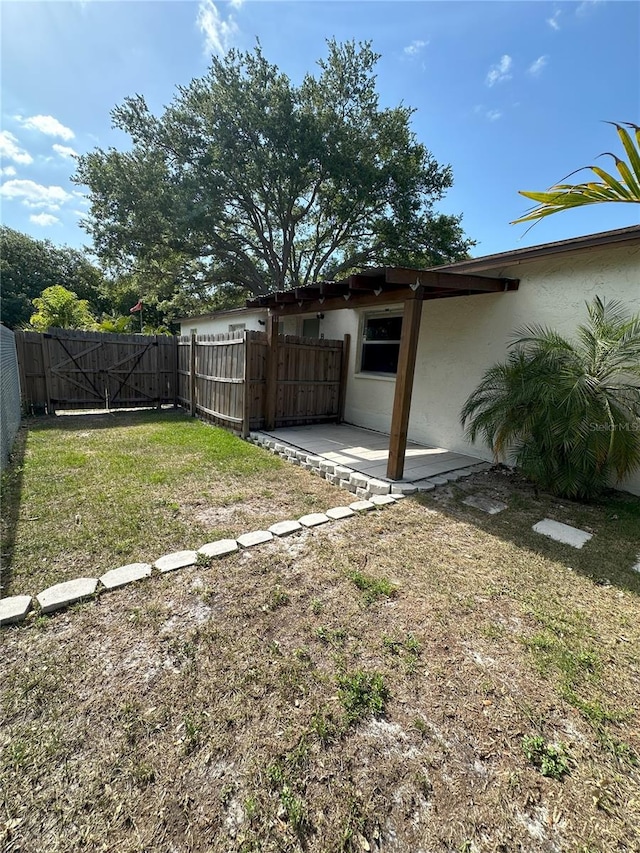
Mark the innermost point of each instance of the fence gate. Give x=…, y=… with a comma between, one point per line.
x=70, y=369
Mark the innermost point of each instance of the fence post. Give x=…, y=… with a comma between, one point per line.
x=344, y=375
x=271, y=390
x=156, y=366
x=46, y=367
x=246, y=395
x=192, y=375
x=176, y=375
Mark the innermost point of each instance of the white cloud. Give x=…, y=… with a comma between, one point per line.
x=47, y=125
x=64, y=151
x=43, y=219
x=415, y=47
x=218, y=33
x=536, y=67
x=500, y=71
x=587, y=6
x=554, y=21
x=10, y=149
x=493, y=115
x=34, y=195
x=236, y=4
x=8, y=172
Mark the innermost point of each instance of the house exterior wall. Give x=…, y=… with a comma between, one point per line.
x=217, y=324
x=461, y=337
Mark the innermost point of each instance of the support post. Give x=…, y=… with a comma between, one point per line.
x=404, y=384
x=46, y=367
x=344, y=376
x=271, y=391
x=246, y=387
x=192, y=375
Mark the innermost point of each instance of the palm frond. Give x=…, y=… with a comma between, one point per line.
x=626, y=188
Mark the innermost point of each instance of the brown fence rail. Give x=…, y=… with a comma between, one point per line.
x=68, y=369
x=241, y=380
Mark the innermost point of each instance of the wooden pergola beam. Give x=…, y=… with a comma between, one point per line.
x=448, y=280
x=404, y=383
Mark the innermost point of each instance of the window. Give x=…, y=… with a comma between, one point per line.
x=381, y=344
x=236, y=327
x=311, y=327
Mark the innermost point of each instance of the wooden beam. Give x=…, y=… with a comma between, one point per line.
x=404, y=384
x=271, y=390
x=448, y=280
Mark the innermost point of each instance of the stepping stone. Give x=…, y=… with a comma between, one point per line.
x=379, y=487
x=177, y=560
x=427, y=486
x=314, y=519
x=219, y=548
x=14, y=608
x=340, y=512
x=382, y=500
x=63, y=594
x=256, y=537
x=562, y=532
x=284, y=528
x=403, y=489
x=436, y=481
x=361, y=506
x=125, y=574
x=485, y=504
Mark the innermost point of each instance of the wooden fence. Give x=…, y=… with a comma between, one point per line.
x=245, y=381
x=69, y=369
x=241, y=380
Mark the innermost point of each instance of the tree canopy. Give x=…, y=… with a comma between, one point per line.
x=28, y=266
x=248, y=182
x=60, y=308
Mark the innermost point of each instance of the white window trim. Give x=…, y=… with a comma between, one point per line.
x=365, y=316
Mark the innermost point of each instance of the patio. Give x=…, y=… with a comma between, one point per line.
x=367, y=451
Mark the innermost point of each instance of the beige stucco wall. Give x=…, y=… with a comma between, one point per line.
x=212, y=325
x=461, y=337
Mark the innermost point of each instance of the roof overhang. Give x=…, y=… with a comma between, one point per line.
x=379, y=286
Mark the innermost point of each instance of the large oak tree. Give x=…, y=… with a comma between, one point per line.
x=248, y=182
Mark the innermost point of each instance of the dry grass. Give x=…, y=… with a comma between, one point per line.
x=91, y=492
x=364, y=686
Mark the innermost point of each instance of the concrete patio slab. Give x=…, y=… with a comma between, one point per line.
x=14, y=609
x=564, y=533
x=366, y=452
x=125, y=574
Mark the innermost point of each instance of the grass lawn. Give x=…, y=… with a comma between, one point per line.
x=421, y=678
x=93, y=492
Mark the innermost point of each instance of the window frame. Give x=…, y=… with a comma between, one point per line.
x=388, y=314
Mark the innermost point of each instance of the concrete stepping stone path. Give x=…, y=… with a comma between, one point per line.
x=256, y=537
x=284, y=528
x=125, y=574
x=313, y=519
x=219, y=548
x=177, y=560
x=14, y=608
x=340, y=512
x=485, y=504
x=64, y=594
x=564, y=533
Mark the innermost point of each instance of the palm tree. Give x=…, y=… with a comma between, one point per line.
x=566, y=412
x=626, y=188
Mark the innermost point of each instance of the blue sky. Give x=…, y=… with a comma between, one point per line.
x=512, y=94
